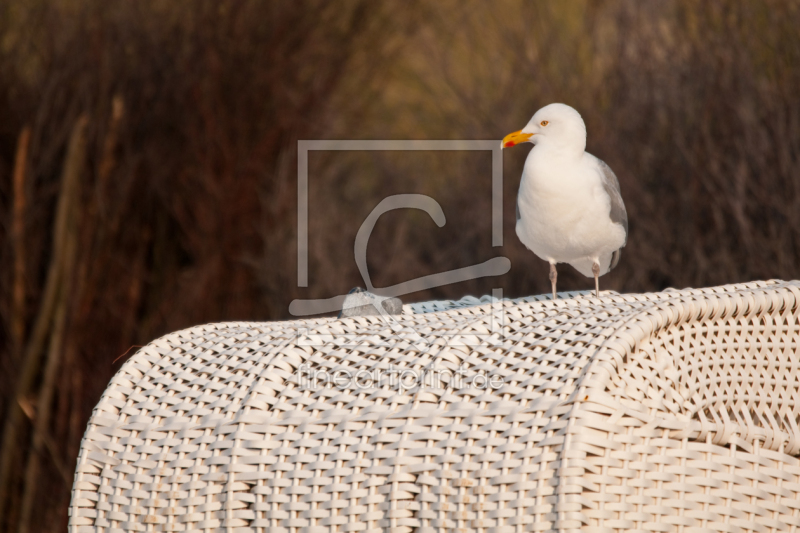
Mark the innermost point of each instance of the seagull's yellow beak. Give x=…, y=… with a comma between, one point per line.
x=515, y=138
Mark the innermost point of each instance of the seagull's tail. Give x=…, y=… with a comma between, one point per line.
x=615, y=259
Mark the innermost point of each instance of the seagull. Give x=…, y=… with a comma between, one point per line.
x=569, y=206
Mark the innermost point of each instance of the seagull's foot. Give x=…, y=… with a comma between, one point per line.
x=553, y=278
x=596, y=272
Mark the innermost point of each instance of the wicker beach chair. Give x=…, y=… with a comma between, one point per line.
x=667, y=412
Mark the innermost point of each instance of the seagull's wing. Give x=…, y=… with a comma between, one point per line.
x=618, y=213
x=518, y=209
x=611, y=185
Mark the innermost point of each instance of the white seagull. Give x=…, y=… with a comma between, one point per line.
x=569, y=208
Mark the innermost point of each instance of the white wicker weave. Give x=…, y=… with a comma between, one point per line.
x=675, y=412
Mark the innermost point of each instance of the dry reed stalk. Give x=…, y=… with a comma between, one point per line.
x=18, y=233
x=41, y=440
x=108, y=160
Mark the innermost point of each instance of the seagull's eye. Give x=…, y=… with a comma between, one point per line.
x=544, y=123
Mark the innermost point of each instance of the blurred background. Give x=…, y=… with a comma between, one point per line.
x=148, y=168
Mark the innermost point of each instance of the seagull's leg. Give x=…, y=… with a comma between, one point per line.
x=596, y=272
x=553, y=278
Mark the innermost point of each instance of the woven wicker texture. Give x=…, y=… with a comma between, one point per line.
x=674, y=411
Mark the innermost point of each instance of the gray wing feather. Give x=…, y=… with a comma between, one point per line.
x=611, y=186
x=518, y=209
x=618, y=213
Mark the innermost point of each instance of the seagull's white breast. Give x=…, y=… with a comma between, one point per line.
x=565, y=211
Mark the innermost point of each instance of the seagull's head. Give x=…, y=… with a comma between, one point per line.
x=556, y=126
